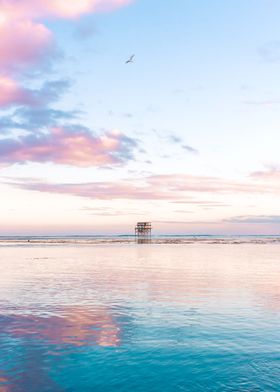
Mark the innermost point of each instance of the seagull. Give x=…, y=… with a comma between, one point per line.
x=130, y=60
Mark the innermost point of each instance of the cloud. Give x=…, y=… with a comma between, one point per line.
x=262, y=103
x=172, y=138
x=184, y=212
x=36, y=118
x=34, y=113
x=13, y=94
x=35, y=9
x=270, y=174
x=85, y=30
x=68, y=146
x=99, y=190
x=104, y=211
x=255, y=219
x=23, y=44
x=26, y=42
x=177, y=140
x=51, y=91
x=190, y=222
x=160, y=187
x=191, y=183
x=242, y=219
x=190, y=149
x=202, y=203
x=270, y=51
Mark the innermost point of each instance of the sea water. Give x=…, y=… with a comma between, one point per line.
x=126, y=317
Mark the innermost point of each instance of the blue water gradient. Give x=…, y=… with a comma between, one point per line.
x=195, y=317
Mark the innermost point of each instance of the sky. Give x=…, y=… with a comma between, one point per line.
x=186, y=136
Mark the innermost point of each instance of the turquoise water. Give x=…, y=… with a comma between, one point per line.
x=128, y=317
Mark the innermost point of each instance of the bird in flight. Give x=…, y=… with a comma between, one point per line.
x=130, y=60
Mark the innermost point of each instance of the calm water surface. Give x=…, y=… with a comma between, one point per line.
x=117, y=317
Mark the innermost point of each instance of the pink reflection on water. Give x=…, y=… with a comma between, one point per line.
x=79, y=326
x=4, y=380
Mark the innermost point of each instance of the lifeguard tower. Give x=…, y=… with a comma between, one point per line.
x=143, y=232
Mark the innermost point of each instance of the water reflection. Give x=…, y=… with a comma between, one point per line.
x=77, y=326
x=146, y=240
x=149, y=317
x=268, y=294
x=38, y=338
x=4, y=383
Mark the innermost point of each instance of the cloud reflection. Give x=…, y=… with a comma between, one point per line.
x=77, y=327
x=4, y=383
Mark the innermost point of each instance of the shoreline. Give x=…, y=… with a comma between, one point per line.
x=180, y=240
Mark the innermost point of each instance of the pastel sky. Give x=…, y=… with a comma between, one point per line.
x=187, y=136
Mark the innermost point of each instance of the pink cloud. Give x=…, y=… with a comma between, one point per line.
x=57, y=8
x=190, y=183
x=271, y=173
x=161, y=187
x=25, y=42
x=66, y=9
x=12, y=93
x=77, y=147
x=103, y=190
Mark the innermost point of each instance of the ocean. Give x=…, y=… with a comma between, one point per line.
x=183, y=313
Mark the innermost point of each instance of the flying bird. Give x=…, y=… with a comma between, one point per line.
x=130, y=60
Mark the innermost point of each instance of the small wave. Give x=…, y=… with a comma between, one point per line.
x=129, y=240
